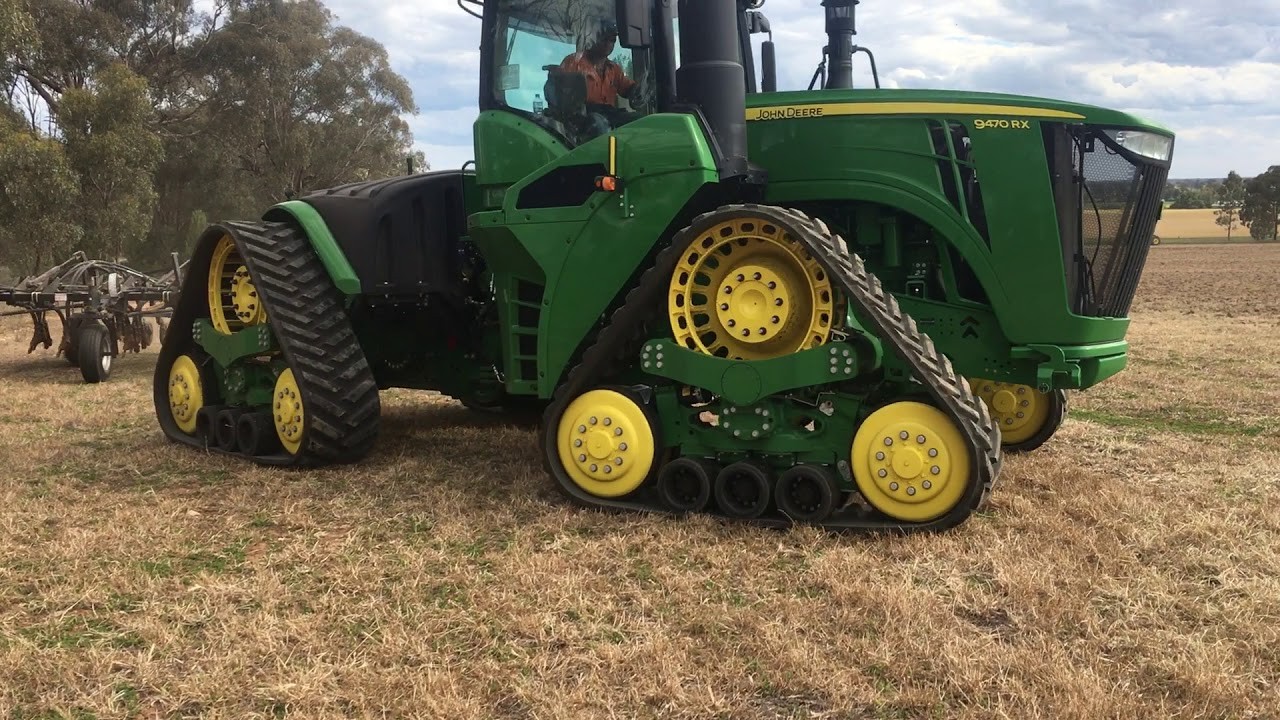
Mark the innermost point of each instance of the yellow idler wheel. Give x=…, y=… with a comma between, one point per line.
x=233, y=299
x=186, y=396
x=287, y=410
x=910, y=461
x=606, y=443
x=748, y=290
x=1020, y=411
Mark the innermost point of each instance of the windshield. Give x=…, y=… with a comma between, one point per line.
x=558, y=61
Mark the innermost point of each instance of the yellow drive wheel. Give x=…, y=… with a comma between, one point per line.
x=910, y=461
x=1020, y=411
x=288, y=412
x=186, y=395
x=233, y=299
x=747, y=290
x=606, y=443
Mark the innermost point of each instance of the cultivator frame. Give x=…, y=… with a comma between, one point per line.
x=103, y=307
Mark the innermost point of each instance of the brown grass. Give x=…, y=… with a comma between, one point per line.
x=1130, y=569
x=1196, y=225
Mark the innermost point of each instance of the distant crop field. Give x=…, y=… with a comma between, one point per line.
x=1187, y=225
x=1128, y=569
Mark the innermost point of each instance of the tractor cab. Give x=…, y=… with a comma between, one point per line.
x=559, y=64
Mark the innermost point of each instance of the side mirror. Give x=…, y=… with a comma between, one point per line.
x=635, y=23
x=769, y=67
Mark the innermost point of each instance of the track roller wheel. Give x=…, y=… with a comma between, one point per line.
x=256, y=434
x=206, y=419
x=186, y=393
x=1026, y=416
x=684, y=484
x=807, y=493
x=224, y=428
x=290, y=415
x=743, y=490
x=606, y=441
x=910, y=461
x=746, y=289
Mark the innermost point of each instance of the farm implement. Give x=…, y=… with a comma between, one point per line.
x=103, y=307
x=837, y=306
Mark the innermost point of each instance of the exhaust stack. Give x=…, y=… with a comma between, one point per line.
x=841, y=28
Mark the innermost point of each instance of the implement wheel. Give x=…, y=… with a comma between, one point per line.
x=748, y=290
x=1026, y=416
x=94, y=352
x=910, y=462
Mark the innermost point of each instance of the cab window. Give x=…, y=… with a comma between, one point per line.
x=558, y=62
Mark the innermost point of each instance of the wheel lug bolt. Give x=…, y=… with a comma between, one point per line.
x=883, y=473
x=776, y=319
x=920, y=439
x=933, y=452
x=741, y=277
x=935, y=470
x=927, y=484
x=594, y=467
x=888, y=441
x=911, y=491
x=732, y=323
x=894, y=486
x=880, y=455
x=757, y=276
x=617, y=431
x=904, y=434
x=609, y=421
x=778, y=302
x=724, y=306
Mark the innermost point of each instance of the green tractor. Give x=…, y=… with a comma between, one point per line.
x=829, y=307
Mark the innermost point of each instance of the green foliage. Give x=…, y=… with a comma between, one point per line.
x=1261, y=208
x=114, y=151
x=169, y=114
x=1230, y=200
x=37, y=187
x=16, y=36
x=1194, y=198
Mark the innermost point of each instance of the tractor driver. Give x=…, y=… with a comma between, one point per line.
x=605, y=78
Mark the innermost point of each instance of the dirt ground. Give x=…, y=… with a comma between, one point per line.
x=1129, y=569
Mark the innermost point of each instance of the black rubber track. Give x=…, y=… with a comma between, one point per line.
x=618, y=344
x=306, y=315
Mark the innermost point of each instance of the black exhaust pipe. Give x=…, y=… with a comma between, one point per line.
x=711, y=76
x=840, y=31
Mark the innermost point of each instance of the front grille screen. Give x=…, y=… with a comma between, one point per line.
x=1119, y=207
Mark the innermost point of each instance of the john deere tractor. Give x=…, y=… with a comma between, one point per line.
x=829, y=306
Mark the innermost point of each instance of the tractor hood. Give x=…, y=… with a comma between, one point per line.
x=826, y=103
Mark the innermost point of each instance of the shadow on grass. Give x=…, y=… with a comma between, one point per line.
x=45, y=367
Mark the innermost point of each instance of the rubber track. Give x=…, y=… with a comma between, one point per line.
x=617, y=347
x=306, y=315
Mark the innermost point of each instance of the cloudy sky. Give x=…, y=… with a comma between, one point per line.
x=1208, y=70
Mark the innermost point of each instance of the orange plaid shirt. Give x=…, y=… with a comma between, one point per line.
x=604, y=82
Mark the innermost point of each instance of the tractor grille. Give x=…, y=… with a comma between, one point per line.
x=1117, y=200
x=1118, y=217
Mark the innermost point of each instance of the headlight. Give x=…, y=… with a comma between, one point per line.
x=1146, y=144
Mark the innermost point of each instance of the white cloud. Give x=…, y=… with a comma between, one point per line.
x=1209, y=71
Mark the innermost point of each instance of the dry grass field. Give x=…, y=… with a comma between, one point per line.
x=1129, y=569
x=1196, y=226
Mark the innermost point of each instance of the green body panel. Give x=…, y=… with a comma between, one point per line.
x=335, y=262
x=782, y=433
x=226, y=349
x=743, y=383
x=868, y=154
x=577, y=261
x=508, y=148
